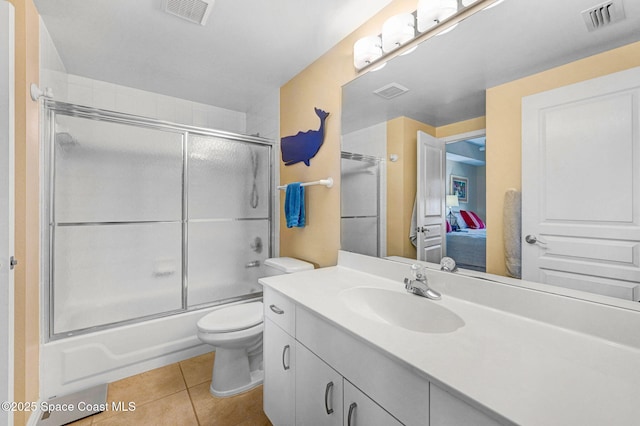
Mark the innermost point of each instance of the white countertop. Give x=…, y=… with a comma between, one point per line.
x=528, y=371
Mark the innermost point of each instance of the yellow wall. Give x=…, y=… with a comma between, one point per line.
x=27, y=230
x=401, y=183
x=478, y=123
x=504, y=131
x=320, y=85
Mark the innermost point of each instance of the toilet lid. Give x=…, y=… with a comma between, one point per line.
x=232, y=318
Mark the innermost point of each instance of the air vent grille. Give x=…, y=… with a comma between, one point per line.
x=603, y=15
x=391, y=91
x=192, y=10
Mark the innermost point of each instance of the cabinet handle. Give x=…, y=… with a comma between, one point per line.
x=284, y=351
x=277, y=310
x=352, y=408
x=326, y=398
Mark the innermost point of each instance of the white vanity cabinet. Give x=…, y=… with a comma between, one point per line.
x=279, y=357
x=318, y=374
x=447, y=410
x=324, y=397
x=319, y=390
x=360, y=410
x=279, y=374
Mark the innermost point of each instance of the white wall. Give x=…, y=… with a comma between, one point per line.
x=262, y=117
x=477, y=186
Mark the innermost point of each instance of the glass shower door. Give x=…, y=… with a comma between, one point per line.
x=115, y=222
x=360, y=204
x=228, y=218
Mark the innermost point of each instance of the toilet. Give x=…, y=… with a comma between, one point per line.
x=236, y=333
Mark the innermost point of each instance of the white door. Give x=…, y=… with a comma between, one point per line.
x=430, y=208
x=6, y=206
x=581, y=186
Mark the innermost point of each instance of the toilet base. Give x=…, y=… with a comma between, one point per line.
x=232, y=374
x=257, y=377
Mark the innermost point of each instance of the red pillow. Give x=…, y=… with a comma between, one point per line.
x=472, y=220
x=448, y=226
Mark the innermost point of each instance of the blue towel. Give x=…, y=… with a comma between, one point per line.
x=294, y=205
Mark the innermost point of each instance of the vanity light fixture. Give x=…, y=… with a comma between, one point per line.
x=409, y=27
x=366, y=50
x=398, y=30
x=432, y=12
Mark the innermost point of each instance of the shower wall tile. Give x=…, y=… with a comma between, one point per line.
x=104, y=95
x=79, y=94
x=184, y=111
x=263, y=117
x=200, y=116
x=166, y=108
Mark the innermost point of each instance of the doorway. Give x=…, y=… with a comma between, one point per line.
x=465, y=180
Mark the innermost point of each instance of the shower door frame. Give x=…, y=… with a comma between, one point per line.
x=378, y=163
x=50, y=109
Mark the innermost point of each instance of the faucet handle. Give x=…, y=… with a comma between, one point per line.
x=418, y=272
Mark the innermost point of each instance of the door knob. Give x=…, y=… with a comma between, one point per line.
x=532, y=239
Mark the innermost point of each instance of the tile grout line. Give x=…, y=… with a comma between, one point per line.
x=186, y=385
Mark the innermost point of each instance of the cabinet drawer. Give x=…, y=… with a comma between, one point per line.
x=395, y=387
x=280, y=310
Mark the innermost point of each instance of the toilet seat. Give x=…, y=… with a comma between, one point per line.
x=232, y=318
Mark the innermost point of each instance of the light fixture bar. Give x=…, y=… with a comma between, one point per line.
x=375, y=61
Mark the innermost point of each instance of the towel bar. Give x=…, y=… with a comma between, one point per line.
x=326, y=182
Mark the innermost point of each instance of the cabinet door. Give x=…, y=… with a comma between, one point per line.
x=318, y=390
x=360, y=410
x=279, y=375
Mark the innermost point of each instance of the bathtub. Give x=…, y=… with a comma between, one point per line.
x=76, y=363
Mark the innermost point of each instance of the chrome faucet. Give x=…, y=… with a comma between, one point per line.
x=418, y=284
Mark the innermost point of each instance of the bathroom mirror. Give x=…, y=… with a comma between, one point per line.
x=444, y=82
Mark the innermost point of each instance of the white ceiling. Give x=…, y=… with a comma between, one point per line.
x=247, y=49
x=447, y=75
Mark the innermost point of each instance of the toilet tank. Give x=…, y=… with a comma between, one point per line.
x=285, y=265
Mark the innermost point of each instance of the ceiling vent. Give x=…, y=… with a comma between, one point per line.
x=196, y=11
x=391, y=91
x=603, y=15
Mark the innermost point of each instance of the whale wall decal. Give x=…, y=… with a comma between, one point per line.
x=303, y=146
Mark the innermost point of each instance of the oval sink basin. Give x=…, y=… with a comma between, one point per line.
x=401, y=309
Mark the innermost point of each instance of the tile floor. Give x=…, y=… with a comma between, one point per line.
x=178, y=395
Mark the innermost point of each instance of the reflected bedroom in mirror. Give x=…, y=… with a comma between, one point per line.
x=442, y=154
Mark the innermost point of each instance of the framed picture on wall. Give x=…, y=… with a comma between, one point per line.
x=460, y=185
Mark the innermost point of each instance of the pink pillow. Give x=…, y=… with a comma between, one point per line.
x=448, y=226
x=472, y=220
